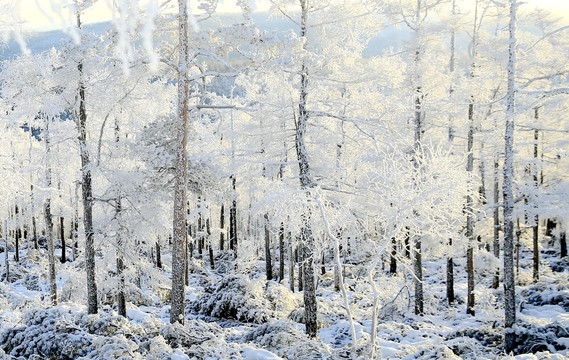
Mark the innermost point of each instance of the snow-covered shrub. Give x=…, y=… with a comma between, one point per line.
x=532, y=338
x=194, y=332
x=32, y=282
x=49, y=333
x=61, y=333
x=283, y=300
x=197, y=339
x=286, y=340
x=541, y=294
x=234, y=297
x=469, y=342
x=116, y=347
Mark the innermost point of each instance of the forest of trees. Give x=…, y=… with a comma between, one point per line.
x=180, y=149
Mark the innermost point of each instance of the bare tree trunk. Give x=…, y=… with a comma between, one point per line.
x=17, y=232
x=62, y=235
x=268, y=259
x=233, y=218
x=158, y=254
x=496, y=216
x=509, y=276
x=222, y=227
x=178, y=301
x=535, y=226
x=306, y=183
x=469, y=214
x=49, y=220
x=281, y=252
x=418, y=278
x=562, y=244
x=299, y=261
x=209, y=244
x=87, y=191
x=6, y=257
x=393, y=260
x=291, y=269
x=200, y=236
x=450, y=277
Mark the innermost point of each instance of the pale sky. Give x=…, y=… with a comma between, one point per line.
x=101, y=11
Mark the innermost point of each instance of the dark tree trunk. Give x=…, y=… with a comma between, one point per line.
x=17, y=234
x=222, y=227
x=322, y=267
x=450, y=277
x=418, y=279
x=496, y=216
x=562, y=244
x=535, y=227
x=200, y=235
x=268, y=259
x=17, y=241
x=62, y=235
x=291, y=269
x=158, y=254
x=6, y=256
x=233, y=219
x=300, y=271
x=550, y=226
x=210, y=245
x=407, y=245
x=281, y=253
x=470, y=309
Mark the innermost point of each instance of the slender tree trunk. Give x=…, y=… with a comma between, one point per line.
x=158, y=254
x=87, y=191
x=496, y=217
x=209, y=244
x=291, y=269
x=281, y=252
x=6, y=256
x=178, y=302
x=393, y=260
x=450, y=276
x=418, y=279
x=200, y=235
x=233, y=218
x=306, y=183
x=509, y=275
x=49, y=220
x=62, y=235
x=222, y=227
x=300, y=271
x=17, y=233
x=417, y=255
x=268, y=259
x=535, y=226
x=562, y=244
x=469, y=214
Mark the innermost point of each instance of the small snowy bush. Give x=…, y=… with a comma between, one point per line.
x=286, y=340
x=234, y=297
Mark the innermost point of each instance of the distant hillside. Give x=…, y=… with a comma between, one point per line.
x=43, y=41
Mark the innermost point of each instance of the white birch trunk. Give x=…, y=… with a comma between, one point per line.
x=509, y=275
x=179, y=226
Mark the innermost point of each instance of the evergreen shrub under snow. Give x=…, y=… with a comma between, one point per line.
x=235, y=297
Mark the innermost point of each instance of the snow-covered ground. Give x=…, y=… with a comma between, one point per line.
x=242, y=316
